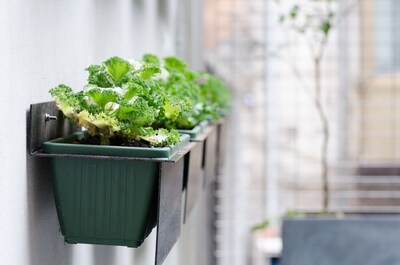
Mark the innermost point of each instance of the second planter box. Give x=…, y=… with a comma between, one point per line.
x=200, y=166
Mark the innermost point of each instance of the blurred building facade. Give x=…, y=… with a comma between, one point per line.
x=276, y=135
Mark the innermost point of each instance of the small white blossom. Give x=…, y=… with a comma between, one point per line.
x=120, y=91
x=133, y=100
x=163, y=75
x=89, y=101
x=137, y=66
x=111, y=107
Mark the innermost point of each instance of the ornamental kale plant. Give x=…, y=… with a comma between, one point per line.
x=206, y=95
x=216, y=94
x=143, y=100
x=122, y=99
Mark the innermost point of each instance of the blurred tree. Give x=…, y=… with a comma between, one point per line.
x=314, y=21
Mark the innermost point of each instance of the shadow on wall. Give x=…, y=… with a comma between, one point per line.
x=45, y=241
x=103, y=255
x=138, y=3
x=145, y=254
x=162, y=10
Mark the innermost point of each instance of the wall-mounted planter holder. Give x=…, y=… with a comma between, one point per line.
x=193, y=181
x=110, y=196
x=200, y=166
x=210, y=154
x=222, y=136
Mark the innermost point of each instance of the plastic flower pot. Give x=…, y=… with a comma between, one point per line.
x=196, y=131
x=200, y=166
x=106, y=200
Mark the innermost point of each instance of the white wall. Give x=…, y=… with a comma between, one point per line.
x=44, y=43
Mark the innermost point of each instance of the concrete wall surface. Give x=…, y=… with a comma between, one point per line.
x=42, y=44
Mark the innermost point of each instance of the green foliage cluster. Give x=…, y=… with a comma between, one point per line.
x=206, y=96
x=260, y=226
x=142, y=100
x=314, y=16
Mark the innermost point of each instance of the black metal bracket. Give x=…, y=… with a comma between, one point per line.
x=194, y=173
x=45, y=123
x=222, y=136
x=169, y=208
x=210, y=156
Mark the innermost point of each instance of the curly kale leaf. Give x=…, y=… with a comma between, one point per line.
x=117, y=68
x=160, y=137
x=66, y=101
x=149, y=70
x=99, y=76
x=152, y=59
x=173, y=63
x=110, y=73
x=136, y=113
x=217, y=95
x=99, y=124
x=101, y=96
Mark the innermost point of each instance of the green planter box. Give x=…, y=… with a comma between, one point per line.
x=106, y=201
x=196, y=131
x=194, y=166
x=200, y=166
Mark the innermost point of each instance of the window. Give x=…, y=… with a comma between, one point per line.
x=386, y=36
x=379, y=97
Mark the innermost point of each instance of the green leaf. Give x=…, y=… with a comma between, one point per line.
x=294, y=11
x=117, y=68
x=99, y=124
x=171, y=110
x=101, y=96
x=133, y=89
x=261, y=226
x=99, y=76
x=294, y=214
x=325, y=27
x=151, y=58
x=174, y=63
x=136, y=112
x=149, y=70
x=66, y=101
x=160, y=137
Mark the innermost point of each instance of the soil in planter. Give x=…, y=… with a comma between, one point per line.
x=114, y=141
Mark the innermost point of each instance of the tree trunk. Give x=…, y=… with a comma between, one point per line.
x=325, y=134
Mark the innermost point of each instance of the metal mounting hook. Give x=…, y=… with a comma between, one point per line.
x=48, y=117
